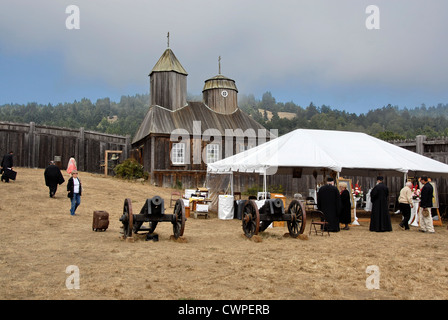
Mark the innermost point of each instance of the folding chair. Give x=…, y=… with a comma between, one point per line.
x=318, y=219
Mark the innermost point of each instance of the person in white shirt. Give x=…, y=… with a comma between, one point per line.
x=405, y=204
x=74, y=189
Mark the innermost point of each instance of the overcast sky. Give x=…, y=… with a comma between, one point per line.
x=318, y=51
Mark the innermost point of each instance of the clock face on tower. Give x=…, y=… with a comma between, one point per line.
x=224, y=93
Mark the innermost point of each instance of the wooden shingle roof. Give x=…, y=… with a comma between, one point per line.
x=219, y=82
x=168, y=62
x=159, y=120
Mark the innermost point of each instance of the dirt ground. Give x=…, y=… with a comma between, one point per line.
x=213, y=260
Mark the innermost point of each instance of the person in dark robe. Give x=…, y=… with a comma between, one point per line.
x=346, y=206
x=426, y=222
x=380, y=217
x=329, y=202
x=7, y=167
x=53, y=177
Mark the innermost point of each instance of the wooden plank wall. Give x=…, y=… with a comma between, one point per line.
x=34, y=146
x=168, y=90
x=214, y=100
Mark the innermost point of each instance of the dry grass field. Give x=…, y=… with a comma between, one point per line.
x=213, y=260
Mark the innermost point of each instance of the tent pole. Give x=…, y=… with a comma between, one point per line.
x=231, y=183
x=264, y=185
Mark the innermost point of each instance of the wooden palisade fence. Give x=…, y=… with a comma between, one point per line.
x=34, y=145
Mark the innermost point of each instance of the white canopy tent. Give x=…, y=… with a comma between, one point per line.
x=348, y=153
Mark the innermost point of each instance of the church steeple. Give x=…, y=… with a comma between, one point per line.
x=168, y=62
x=168, y=81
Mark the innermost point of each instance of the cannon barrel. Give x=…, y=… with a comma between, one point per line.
x=273, y=206
x=277, y=203
x=156, y=201
x=153, y=205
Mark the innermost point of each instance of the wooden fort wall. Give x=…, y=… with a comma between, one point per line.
x=34, y=145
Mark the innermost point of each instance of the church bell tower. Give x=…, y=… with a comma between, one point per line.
x=168, y=82
x=220, y=93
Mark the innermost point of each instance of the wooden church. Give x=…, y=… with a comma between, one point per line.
x=178, y=137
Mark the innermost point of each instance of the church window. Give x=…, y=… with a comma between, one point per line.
x=178, y=153
x=212, y=153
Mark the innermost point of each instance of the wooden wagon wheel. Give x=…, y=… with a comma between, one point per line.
x=250, y=218
x=179, y=219
x=128, y=218
x=297, y=223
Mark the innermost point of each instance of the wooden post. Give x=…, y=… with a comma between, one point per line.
x=81, y=155
x=420, y=144
x=32, y=145
x=106, y=162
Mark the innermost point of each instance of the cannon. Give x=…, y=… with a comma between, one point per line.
x=256, y=220
x=153, y=212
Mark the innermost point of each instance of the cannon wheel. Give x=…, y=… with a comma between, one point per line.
x=298, y=219
x=250, y=218
x=179, y=219
x=127, y=218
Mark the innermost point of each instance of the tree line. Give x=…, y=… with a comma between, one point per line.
x=120, y=118
x=124, y=117
x=387, y=122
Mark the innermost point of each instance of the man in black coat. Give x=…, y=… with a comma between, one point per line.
x=426, y=222
x=380, y=217
x=7, y=167
x=53, y=177
x=329, y=202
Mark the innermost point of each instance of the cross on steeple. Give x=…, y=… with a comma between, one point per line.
x=168, y=39
x=219, y=64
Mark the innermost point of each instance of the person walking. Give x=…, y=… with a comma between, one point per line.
x=74, y=189
x=71, y=165
x=53, y=177
x=380, y=217
x=405, y=204
x=426, y=223
x=329, y=202
x=7, y=167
